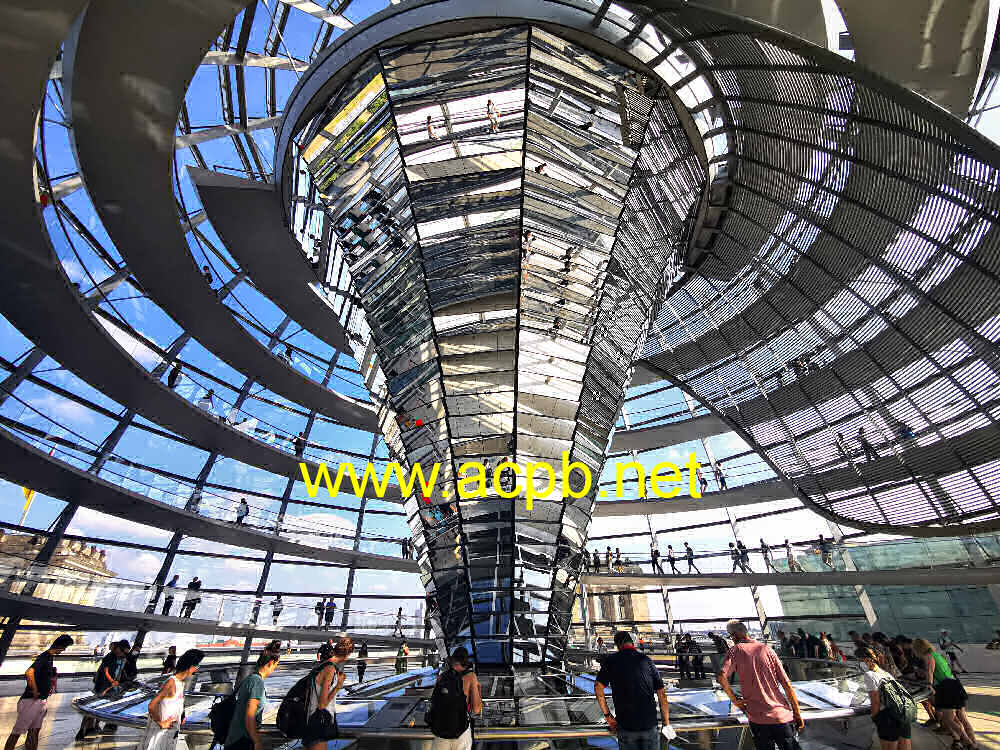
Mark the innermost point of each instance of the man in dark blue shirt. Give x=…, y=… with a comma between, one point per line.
x=634, y=681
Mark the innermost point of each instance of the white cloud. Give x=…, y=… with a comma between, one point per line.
x=133, y=564
x=298, y=526
x=88, y=522
x=63, y=411
x=139, y=351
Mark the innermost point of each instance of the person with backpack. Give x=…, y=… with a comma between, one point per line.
x=33, y=705
x=108, y=677
x=323, y=683
x=167, y=708
x=893, y=710
x=456, y=694
x=244, y=728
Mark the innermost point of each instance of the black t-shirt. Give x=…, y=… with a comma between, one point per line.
x=44, y=672
x=633, y=680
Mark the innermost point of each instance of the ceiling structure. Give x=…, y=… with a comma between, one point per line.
x=501, y=217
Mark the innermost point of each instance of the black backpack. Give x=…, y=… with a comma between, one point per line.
x=448, y=716
x=292, y=718
x=220, y=716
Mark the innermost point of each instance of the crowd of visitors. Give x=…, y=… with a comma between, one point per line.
x=616, y=563
x=768, y=698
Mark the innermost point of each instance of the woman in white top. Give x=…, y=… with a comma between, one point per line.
x=167, y=708
x=892, y=733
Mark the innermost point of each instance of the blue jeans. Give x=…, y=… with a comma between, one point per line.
x=642, y=739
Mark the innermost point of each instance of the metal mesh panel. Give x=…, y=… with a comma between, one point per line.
x=852, y=285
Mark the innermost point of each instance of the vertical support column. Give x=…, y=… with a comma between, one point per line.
x=863, y=598
x=357, y=544
x=585, y=613
x=733, y=523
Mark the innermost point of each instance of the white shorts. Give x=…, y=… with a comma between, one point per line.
x=30, y=715
x=462, y=742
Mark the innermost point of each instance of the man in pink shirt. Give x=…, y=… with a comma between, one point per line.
x=775, y=719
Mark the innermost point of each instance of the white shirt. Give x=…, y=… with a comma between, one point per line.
x=874, y=678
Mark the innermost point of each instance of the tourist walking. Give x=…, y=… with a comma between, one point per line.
x=794, y=566
x=826, y=552
x=321, y=721
x=276, y=606
x=457, y=693
x=244, y=729
x=168, y=597
x=696, y=657
x=192, y=598
x=775, y=719
x=765, y=552
x=734, y=554
x=242, y=511
x=108, y=676
x=654, y=553
x=618, y=560
x=607, y=558
x=689, y=556
x=166, y=710
x=401, y=655
x=744, y=557
x=398, y=630
x=636, y=684
x=672, y=560
x=174, y=375
x=169, y=661
x=362, y=660
x=330, y=612
x=948, y=695
x=870, y=453
x=32, y=707
x=893, y=731
x=949, y=648
x=597, y=563
x=683, y=660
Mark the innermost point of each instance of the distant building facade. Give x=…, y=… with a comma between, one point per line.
x=78, y=560
x=614, y=606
